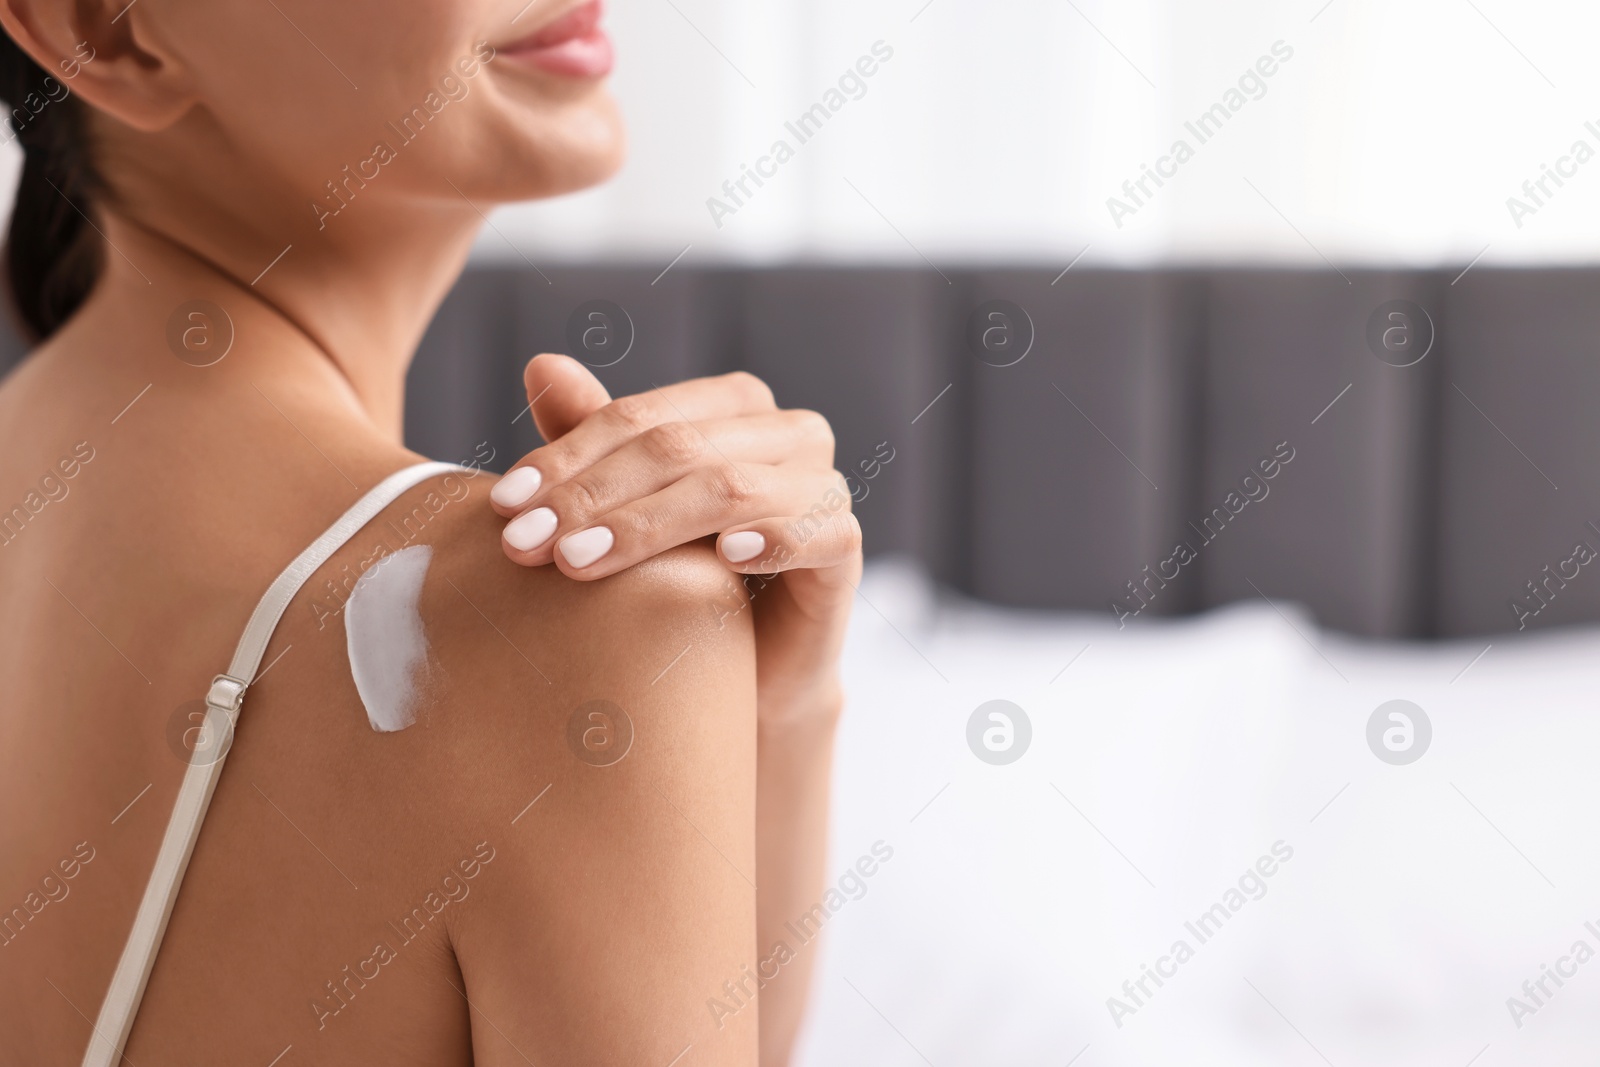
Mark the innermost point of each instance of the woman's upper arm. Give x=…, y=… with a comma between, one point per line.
x=605, y=754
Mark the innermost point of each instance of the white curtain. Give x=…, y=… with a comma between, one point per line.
x=1394, y=132
x=1397, y=133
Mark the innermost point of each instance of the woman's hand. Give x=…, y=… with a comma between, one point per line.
x=624, y=480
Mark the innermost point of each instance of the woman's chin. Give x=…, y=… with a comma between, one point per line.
x=584, y=151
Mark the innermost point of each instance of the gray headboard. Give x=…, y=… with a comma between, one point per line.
x=1421, y=503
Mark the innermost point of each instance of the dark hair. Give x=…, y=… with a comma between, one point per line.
x=53, y=254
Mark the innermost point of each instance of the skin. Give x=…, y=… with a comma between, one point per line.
x=618, y=903
x=717, y=455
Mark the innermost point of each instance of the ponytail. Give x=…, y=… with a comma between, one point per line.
x=53, y=254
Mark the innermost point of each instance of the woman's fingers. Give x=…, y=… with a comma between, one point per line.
x=622, y=481
x=654, y=460
x=707, y=501
x=826, y=536
x=561, y=393
x=627, y=417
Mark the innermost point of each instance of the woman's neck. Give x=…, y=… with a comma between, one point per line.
x=340, y=312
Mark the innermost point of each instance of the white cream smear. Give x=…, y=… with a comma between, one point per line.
x=384, y=638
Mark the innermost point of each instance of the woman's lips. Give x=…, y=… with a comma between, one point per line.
x=573, y=45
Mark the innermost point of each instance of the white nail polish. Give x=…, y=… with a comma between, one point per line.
x=517, y=487
x=742, y=546
x=586, y=546
x=527, y=532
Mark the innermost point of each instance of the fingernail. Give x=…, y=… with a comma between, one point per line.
x=586, y=546
x=744, y=545
x=517, y=487
x=527, y=532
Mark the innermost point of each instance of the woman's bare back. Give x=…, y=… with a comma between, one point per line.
x=466, y=888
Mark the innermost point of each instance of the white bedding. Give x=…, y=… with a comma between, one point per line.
x=1165, y=762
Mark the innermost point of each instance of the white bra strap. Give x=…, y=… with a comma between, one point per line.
x=205, y=766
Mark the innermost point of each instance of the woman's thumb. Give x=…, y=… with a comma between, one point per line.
x=562, y=393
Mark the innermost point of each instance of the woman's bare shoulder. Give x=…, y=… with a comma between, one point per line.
x=593, y=738
x=442, y=663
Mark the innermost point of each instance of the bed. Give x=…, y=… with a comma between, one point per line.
x=1167, y=758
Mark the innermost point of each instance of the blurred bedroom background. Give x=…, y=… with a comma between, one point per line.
x=1062, y=354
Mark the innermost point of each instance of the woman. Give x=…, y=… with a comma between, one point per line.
x=604, y=793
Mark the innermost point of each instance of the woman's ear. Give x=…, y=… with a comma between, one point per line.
x=107, y=51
